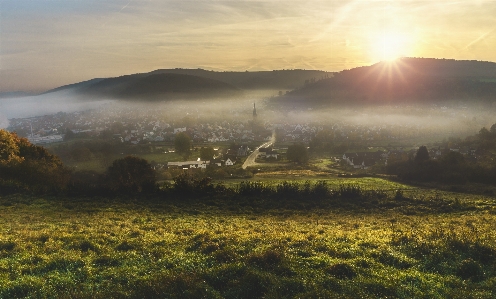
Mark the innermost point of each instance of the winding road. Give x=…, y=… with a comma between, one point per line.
x=250, y=161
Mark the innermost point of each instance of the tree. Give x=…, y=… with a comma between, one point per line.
x=131, y=175
x=31, y=166
x=422, y=155
x=207, y=153
x=297, y=153
x=182, y=143
x=69, y=134
x=484, y=134
x=9, y=147
x=493, y=129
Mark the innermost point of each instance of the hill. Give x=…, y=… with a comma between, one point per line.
x=75, y=86
x=407, y=80
x=158, y=86
x=190, y=82
x=276, y=79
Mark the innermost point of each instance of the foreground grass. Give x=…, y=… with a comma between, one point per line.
x=99, y=248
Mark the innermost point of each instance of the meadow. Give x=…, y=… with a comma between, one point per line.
x=366, y=241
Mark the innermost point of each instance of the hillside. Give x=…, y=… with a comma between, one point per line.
x=159, y=86
x=277, y=79
x=407, y=80
x=190, y=82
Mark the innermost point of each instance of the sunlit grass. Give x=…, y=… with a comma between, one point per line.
x=51, y=247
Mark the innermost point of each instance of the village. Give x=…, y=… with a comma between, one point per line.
x=237, y=135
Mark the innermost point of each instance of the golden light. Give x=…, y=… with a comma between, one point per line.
x=388, y=46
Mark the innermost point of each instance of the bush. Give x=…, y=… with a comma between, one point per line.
x=131, y=175
x=255, y=189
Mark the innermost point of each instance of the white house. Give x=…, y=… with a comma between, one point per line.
x=177, y=130
x=229, y=162
x=189, y=164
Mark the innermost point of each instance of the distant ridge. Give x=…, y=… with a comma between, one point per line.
x=276, y=79
x=407, y=80
x=160, y=86
x=190, y=82
x=75, y=86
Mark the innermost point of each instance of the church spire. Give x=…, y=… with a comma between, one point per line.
x=254, y=110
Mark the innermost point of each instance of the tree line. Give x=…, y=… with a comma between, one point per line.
x=452, y=167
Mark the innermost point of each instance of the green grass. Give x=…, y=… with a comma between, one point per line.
x=299, y=177
x=164, y=248
x=98, y=166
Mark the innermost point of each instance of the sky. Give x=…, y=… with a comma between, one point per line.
x=48, y=43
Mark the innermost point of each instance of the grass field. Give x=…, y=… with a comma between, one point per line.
x=208, y=248
x=98, y=166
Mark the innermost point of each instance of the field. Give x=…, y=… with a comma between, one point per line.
x=98, y=166
x=415, y=243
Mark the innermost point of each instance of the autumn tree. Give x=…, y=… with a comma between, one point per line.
x=30, y=165
x=9, y=147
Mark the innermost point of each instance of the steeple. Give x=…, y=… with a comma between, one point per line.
x=254, y=110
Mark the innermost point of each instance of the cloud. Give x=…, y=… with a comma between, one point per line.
x=48, y=43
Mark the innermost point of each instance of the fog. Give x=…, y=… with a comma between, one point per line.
x=45, y=104
x=439, y=121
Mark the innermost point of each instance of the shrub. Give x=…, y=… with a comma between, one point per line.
x=131, y=175
x=287, y=190
x=350, y=191
x=248, y=188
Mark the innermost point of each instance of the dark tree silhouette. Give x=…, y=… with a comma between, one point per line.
x=182, y=143
x=131, y=175
x=484, y=134
x=493, y=129
x=207, y=153
x=422, y=155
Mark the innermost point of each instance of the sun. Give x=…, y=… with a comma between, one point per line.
x=389, y=46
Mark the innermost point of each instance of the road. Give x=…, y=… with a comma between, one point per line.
x=250, y=161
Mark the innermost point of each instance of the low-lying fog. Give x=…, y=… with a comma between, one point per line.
x=45, y=104
x=455, y=120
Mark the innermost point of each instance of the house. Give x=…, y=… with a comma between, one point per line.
x=189, y=164
x=268, y=152
x=263, y=151
x=216, y=162
x=271, y=154
x=229, y=162
x=177, y=130
x=362, y=160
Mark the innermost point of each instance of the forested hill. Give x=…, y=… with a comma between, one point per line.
x=151, y=87
x=159, y=86
x=277, y=79
x=407, y=80
x=191, y=82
